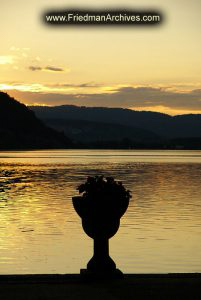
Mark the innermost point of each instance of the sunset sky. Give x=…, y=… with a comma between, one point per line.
x=146, y=68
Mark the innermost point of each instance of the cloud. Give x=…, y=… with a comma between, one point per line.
x=71, y=85
x=13, y=48
x=6, y=59
x=48, y=68
x=149, y=96
x=48, y=88
x=53, y=69
x=87, y=85
x=35, y=68
x=143, y=97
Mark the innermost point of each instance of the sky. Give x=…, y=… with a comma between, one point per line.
x=154, y=68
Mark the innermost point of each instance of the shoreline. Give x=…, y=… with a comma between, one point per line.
x=73, y=287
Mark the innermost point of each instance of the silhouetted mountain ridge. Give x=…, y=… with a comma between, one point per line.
x=39, y=127
x=81, y=131
x=163, y=125
x=21, y=129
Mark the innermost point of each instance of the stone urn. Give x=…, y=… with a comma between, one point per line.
x=101, y=205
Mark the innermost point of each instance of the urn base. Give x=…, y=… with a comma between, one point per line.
x=101, y=275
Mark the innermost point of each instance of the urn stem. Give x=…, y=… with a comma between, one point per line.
x=101, y=247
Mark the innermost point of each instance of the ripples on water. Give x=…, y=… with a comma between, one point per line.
x=41, y=233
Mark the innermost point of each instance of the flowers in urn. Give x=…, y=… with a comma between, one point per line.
x=105, y=194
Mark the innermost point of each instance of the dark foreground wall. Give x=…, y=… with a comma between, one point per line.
x=72, y=287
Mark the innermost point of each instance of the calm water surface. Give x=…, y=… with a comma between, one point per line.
x=41, y=233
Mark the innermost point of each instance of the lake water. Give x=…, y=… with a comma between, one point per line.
x=41, y=233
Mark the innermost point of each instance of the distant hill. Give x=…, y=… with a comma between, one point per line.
x=102, y=114
x=21, y=129
x=163, y=125
x=97, y=133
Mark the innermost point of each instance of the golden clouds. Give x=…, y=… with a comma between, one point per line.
x=6, y=59
x=48, y=69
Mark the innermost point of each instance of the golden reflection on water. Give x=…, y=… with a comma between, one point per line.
x=41, y=233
